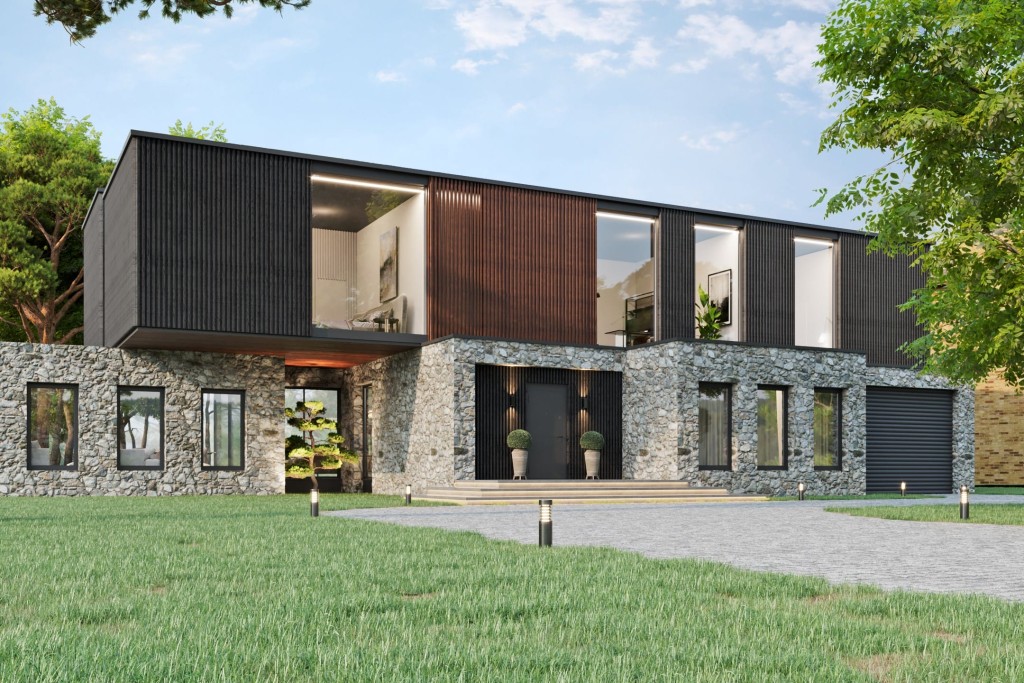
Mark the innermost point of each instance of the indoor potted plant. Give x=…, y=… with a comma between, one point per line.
x=592, y=443
x=519, y=441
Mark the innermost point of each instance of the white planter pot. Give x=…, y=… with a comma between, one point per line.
x=519, y=458
x=593, y=460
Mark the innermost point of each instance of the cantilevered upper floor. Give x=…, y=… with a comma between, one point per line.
x=209, y=246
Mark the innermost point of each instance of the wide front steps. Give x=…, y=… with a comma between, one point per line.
x=562, y=491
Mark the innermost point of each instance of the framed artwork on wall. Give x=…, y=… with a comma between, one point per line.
x=720, y=292
x=389, y=264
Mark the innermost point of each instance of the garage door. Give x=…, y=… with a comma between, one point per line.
x=910, y=438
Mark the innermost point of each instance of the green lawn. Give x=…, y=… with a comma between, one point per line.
x=253, y=589
x=866, y=496
x=981, y=513
x=999, y=491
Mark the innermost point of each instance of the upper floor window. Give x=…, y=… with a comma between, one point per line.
x=140, y=428
x=625, y=279
x=814, y=275
x=717, y=272
x=771, y=427
x=52, y=426
x=223, y=429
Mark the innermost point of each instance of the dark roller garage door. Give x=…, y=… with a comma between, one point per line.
x=910, y=438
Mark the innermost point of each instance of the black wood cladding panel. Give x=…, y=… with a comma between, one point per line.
x=871, y=289
x=767, y=255
x=120, y=248
x=675, y=268
x=497, y=415
x=225, y=243
x=92, y=246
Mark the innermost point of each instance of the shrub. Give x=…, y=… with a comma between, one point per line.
x=591, y=441
x=519, y=438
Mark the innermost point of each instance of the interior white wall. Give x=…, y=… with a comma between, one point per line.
x=815, y=319
x=334, y=273
x=714, y=255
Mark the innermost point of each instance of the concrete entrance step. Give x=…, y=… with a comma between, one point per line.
x=576, y=491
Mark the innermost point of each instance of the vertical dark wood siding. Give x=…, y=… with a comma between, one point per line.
x=675, y=268
x=120, y=248
x=495, y=419
x=767, y=261
x=92, y=247
x=871, y=288
x=509, y=262
x=225, y=243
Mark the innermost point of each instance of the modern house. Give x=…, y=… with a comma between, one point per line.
x=435, y=313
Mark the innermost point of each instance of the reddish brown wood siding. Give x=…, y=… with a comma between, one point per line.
x=511, y=263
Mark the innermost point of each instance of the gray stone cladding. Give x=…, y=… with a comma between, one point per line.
x=98, y=372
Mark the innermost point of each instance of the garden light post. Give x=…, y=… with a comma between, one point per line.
x=314, y=502
x=408, y=494
x=965, y=503
x=800, y=488
x=545, y=523
x=903, y=489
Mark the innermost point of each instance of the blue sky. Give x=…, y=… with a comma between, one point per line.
x=707, y=103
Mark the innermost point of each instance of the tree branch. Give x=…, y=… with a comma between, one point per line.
x=67, y=337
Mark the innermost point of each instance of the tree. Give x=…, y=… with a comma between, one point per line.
x=81, y=18
x=50, y=167
x=211, y=131
x=938, y=86
x=311, y=451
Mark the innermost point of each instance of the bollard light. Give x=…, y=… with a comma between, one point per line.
x=545, y=523
x=408, y=494
x=903, y=489
x=965, y=503
x=800, y=488
x=314, y=502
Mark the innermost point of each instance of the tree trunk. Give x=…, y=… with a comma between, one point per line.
x=69, y=447
x=145, y=430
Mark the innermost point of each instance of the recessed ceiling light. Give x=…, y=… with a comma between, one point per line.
x=626, y=217
x=365, y=183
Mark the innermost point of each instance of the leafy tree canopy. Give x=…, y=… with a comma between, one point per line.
x=938, y=86
x=81, y=18
x=211, y=131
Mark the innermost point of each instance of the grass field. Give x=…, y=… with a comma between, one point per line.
x=999, y=491
x=981, y=513
x=253, y=589
x=867, y=496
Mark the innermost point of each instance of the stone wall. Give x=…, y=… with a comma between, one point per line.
x=98, y=372
x=999, y=434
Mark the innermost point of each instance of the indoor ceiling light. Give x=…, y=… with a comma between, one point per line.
x=364, y=183
x=626, y=217
x=808, y=240
x=714, y=228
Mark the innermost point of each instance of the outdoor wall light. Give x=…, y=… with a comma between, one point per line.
x=314, y=502
x=408, y=494
x=800, y=488
x=584, y=403
x=545, y=524
x=511, y=400
x=965, y=503
x=903, y=489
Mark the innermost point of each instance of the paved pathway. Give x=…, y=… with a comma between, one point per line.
x=794, y=538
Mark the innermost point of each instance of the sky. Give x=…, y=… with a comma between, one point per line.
x=711, y=104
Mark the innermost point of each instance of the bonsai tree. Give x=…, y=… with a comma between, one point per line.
x=519, y=439
x=709, y=316
x=591, y=441
x=319, y=446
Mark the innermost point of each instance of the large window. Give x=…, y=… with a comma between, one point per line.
x=625, y=279
x=814, y=274
x=715, y=428
x=329, y=397
x=140, y=428
x=828, y=428
x=717, y=272
x=369, y=255
x=52, y=426
x=223, y=429
x=771, y=427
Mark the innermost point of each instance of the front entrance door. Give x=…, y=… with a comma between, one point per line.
x=545, y=420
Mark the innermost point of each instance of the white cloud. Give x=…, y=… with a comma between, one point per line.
x=713, y=140
x=389, y=77
x=471, y=67
x=819, y=6
x=438, y=4
x=160, y=59
x=690, y=4
x=515, y=109
x=602, y=60
x=491, y=26
x=644, y=54
x=496, y=24
x=690, y=66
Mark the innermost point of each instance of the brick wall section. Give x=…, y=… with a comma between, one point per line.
x=999, y=434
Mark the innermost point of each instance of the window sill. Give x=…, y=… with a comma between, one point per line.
x=52, y=468
x=828, y=468
x=714, y=468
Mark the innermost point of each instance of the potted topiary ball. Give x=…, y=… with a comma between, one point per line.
x=519, y=441
x=592, y=443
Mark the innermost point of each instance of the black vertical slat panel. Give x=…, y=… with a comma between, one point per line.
x=871, y=289
x=768, y=283
x=120, y=248
x=501, y=407
x=92, y=247
x=675, y=267
x=909, y=438
x=225, y=239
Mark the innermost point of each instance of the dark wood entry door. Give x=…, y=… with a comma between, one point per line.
x=545, y=420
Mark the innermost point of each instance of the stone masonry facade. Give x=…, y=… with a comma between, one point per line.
x=999, y=434
x=98, y=372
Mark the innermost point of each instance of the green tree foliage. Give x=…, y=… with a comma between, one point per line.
x=81, y=18
x=938, y=86
x=211, y=131
x=319, y=446
x=708, y=316
x=50, y=168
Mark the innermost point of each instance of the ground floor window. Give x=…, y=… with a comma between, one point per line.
x=293, y=395
x=715, y=428
x=828, y=421
x=140, y=428
x=771, y=427
x=223, y=429
x=52, y=426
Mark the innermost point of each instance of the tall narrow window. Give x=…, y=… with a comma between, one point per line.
x=813, y=274
x=140, y=428
x=717, y=272
x=52, y=426
x=771, y=427
x=715, y=428
x=223, y=429
x=625, y=279
x=828, y=427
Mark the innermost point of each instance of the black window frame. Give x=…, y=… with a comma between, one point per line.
x=202, y=425
x=28, y=425
x=839, y=437
x=785, y=427
x=728, y=441
x=117, y=426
